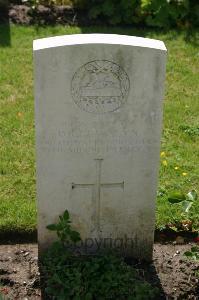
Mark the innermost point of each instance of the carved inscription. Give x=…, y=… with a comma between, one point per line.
x=96, y=186
x=96, y=145
x=100, y=86
x=77, y=137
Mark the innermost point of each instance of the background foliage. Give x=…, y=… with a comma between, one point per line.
x=155, y=13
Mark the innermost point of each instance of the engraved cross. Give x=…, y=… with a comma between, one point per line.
x=96, y=186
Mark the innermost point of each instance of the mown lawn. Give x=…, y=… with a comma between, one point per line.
x=180, y=145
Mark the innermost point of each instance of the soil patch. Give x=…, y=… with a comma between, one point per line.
x=48, y=15
x=170, y=270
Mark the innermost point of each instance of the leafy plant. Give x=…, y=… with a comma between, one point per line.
x=163, y=13
x=191, y=131
x=94, y=277
x=114, y=11
x=155, y=13
x=107, y=276
x=63, y=229
x=185, y=201
x=193, y=254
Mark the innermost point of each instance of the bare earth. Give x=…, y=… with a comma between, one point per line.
x=170, y=271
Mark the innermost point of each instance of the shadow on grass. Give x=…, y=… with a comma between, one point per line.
x=192, y=37
x=147, y=271
x=5, y=39
x=9, y=237
x=127, y=30
x=189, y=35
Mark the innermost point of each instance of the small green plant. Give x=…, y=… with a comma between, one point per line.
x=193, y=253
x=107, y=276
x=190, y=130
x=64, y=231
x=185, y=201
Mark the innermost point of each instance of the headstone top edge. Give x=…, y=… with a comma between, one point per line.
x=111, y=39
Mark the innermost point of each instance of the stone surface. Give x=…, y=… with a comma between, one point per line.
x=98, y=126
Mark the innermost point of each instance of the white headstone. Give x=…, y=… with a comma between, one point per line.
x=98, y=126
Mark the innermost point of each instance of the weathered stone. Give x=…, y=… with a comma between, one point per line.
x=98, y=125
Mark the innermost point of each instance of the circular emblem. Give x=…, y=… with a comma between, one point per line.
x=100, y=86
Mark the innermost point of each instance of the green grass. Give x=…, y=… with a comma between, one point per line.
x=17, y=158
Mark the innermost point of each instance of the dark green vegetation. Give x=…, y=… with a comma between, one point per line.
x=93, y=277
x=154, y=13
x=180, y=146
x=64, y=231
x=89, y=277
x=185, y=205
x=193, y=253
